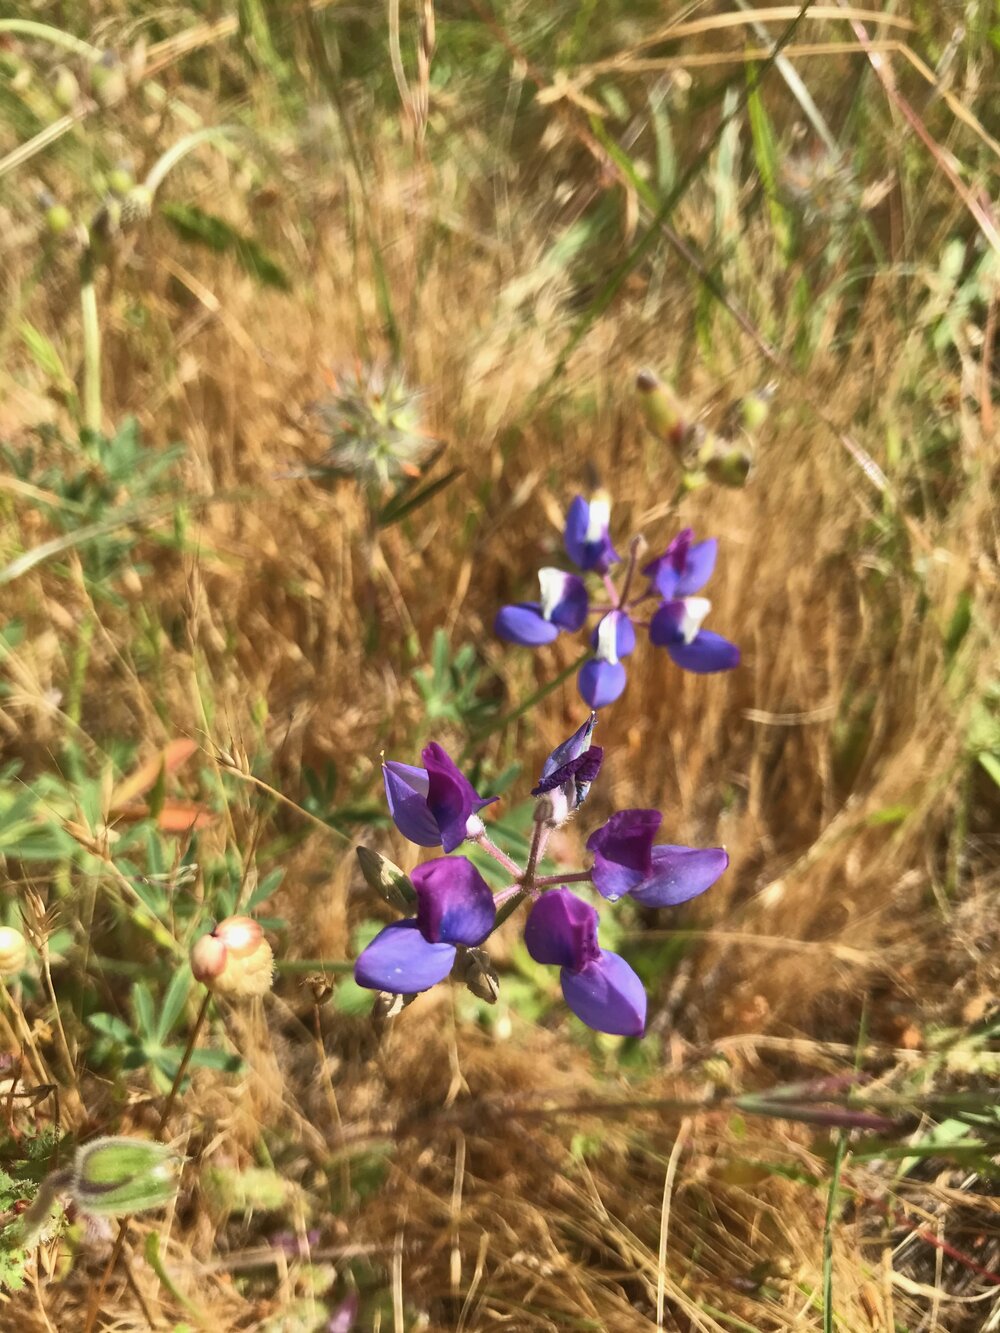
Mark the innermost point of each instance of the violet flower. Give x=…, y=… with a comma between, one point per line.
x=600, y=987
x=454, y=908
x=433, y=806
x=626, y=862
x=586, y=536
x=683, y=570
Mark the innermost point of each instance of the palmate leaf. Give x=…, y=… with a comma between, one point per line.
x=194, y=224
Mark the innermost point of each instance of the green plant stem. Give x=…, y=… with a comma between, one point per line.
x=185, y=1061
x=91, y=344
x=46, y=33
x=541, y=693
x=180, y=149
x=577, y=877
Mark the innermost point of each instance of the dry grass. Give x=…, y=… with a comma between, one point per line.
x=858, y=917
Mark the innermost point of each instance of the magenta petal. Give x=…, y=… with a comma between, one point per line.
x=680, y=873
x=601, y=683
x=562, y=929
x=524, y=624
x=454, y=902
x=400, y=960
x=623, y=851
x=607, y=995
x=451, y=797
x=707, y=652
x=406, y=792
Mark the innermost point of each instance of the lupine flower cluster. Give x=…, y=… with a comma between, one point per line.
x=668, y=607
x=453, y=911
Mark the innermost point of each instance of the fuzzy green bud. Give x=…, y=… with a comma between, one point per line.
x=729, y=466
x=137, y=206
x=386, y=879
x=663, y=412
x=120, y=180
x=116, y=1176
x=107, y=80
x=58, y=219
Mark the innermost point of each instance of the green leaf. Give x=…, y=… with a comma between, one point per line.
x=174, y=1002
x=399, y=507
x=48, y=360
x=194, y=224
x=991, y=763
x=144, y=1008
x=110, y=1026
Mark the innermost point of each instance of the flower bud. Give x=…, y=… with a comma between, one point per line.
x=235, y=959
x=208, y=959
x=13, y=951
x=58, y=219
x=386, y=879
x=107, y=80
x=663, y=412
x=65, y=88
x=115, y=1176
x=729, y=466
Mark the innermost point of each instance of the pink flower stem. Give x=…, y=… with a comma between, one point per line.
x=612, y=591
x=491, y=849
x=577, y=877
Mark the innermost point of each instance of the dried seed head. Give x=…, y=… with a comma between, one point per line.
x=235, y=960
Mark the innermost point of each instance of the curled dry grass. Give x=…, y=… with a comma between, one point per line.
x=835, y=766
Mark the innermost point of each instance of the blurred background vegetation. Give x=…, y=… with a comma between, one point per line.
x=235, y=237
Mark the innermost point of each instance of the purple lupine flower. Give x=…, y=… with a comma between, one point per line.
x=602, y=679
x=676, y=626
x=684, y=568
x=600, y=987
x=433, y=806
x=454, y=907
x=563, y=606
x=568, y=772
x=625, y=861
x=586, y=536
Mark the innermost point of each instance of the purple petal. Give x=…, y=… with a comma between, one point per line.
x=406, y=792
x=623, y=851
x=588, y=544
x=581, y=771
x=400, y=960
x=454, y=902
x=564, y=599
x=606, y=995
x=524, y=624
x=570, y=748
x=707, y=652
x=600, y=683
x=451, y=798
x=562, y=929
x=665, y=626
x=698, y=567
x=624, y=639
x=680, y=873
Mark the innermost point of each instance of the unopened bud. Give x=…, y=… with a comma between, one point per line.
x=120, y=180
x=663, y=412
x=65, y=88
x=208, y=958
x=544, y=811
x=729, y=466
x=58, y=219
x=115, y=1176
x=13, y=951
x=137, y=206
x=755, y=407
x=386, y=878
x=235, y=960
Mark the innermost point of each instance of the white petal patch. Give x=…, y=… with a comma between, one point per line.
x=695, y=611
x=598, y=518
x=607, y=638
x=553, y=585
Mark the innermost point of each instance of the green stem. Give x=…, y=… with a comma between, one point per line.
x=185, y=1061
x=46, y=33
x=91, y=344
x=295, y=965
x=180, y=149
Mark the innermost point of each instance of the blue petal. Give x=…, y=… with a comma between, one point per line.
x=524, y=624
x=400, y=960
x=698, y=566
x=680, y=873
x=570, y=612
x=607, y=995
x=707, y=652
x=562, y=929
x=575, y=533
x=406, y=792
x=600, y=683
x=454, y=902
